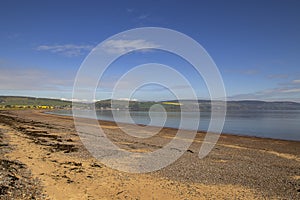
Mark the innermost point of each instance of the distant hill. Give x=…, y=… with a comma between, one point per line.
x=204, y=105
x=172, y=105
x=262, y=105
x=248, y=105
x=32, y=101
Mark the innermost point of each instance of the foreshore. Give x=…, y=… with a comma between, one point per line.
x=42, y=157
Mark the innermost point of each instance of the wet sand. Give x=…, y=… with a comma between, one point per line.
x=42, y=157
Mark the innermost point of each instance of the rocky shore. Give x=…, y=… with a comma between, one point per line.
x=42, y=157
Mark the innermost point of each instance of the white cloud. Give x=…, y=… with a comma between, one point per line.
x=77, y=100
x=127, y=99
x=296, y=81
x=121, y=46
x=69, y=50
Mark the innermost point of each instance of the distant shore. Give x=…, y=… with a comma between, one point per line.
x=49, y=148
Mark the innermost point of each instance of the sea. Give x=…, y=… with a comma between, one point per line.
x=276, y=124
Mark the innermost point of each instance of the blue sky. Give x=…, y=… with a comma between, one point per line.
x=255, y=44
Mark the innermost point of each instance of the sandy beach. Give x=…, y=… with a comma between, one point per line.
x=42, y=157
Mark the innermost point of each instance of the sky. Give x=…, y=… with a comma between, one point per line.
x=254, y=44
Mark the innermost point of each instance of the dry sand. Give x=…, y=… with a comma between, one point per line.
x=50, y=151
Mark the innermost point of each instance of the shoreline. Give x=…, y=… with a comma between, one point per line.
x=238, y=167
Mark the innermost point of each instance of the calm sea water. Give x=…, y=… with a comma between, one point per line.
x=281, y=124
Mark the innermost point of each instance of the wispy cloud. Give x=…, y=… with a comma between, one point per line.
x=280, y=93
x=129, y=10
x=297, y=81
x=290, y=90
x=121, y=46
x=290, y=83
x=278, y=76
x=13, y=35
x=69, y=50
x=13, y=77
x=143, y=16
x=138, y=15
x=249, y=71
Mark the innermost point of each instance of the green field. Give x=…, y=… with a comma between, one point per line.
x=173, y=105
x=31, y=102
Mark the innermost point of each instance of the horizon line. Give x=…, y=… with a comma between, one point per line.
x=123, y=99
